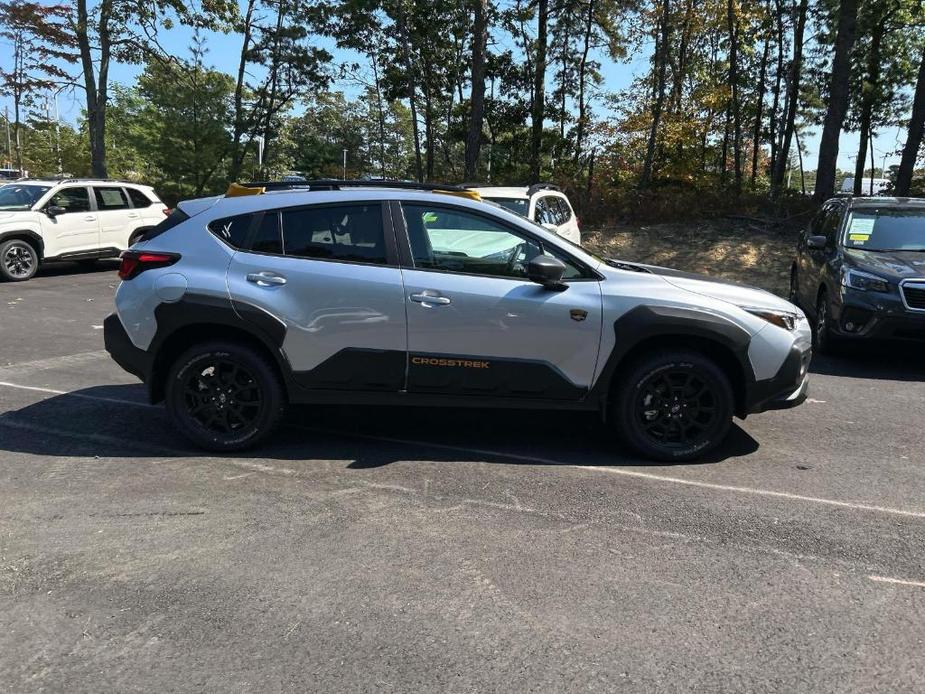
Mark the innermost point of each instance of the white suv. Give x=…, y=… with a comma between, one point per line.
x=542, y=203
x=73, y=219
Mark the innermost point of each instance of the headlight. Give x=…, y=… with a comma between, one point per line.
x=782, y=319
x=864, y=281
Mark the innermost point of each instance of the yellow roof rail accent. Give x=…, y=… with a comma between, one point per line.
x=236, y=190
x=470, y=194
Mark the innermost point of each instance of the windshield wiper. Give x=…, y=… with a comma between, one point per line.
x=900, y=250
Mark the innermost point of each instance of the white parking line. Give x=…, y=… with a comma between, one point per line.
x=897, y=581
x=667, y=479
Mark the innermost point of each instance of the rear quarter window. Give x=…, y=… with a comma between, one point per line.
x=138, y=198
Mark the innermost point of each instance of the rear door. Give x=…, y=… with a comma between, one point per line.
x=329, y=273
x=117, y=218
x=478, y=326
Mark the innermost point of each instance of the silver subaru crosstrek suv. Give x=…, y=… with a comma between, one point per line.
x=399, y=294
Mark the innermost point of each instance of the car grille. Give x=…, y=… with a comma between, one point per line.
x=914, y=295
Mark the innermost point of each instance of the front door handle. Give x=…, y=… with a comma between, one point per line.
x=430, y=297
x=90, y=218
x=266, y=279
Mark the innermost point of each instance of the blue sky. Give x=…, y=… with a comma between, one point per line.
x=223, y=51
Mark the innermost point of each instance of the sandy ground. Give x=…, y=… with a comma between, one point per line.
x=737, y=251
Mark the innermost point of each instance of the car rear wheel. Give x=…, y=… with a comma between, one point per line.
x=19, y=261
x=674, y=406
x=224, y=396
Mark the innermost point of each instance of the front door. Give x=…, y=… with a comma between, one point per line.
x=74, y=229
x=477, y=326
x=329, y=274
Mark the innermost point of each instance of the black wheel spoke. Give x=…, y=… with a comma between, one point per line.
x=676, y=407
x=223, y=397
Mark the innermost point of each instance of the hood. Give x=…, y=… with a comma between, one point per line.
x=722, y=290
x=894, y=265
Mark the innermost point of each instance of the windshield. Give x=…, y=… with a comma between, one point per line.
x=19, y=197
x=518, y=205
x=886, y=230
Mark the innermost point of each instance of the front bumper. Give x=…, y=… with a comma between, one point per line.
x=787, y=388
x=874, y=316
x=134, y=360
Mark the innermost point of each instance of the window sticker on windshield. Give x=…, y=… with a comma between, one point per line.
x=859, y=238
x=862, y=225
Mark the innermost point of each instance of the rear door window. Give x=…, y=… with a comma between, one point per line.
x=110, y=199
x=345, y=233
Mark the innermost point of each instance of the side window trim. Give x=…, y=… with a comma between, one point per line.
x=407, y=259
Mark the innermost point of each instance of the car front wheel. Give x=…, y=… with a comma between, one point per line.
x=824, y=342
x=18, y=261
x=224, y=396
x=674, y=406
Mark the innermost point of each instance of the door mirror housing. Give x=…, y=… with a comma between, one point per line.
x=547, y=271
x=54, y=210
x=816, y=243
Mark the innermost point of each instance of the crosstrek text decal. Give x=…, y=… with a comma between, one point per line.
x=462, y=363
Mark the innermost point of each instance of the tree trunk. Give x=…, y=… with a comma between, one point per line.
x=539, y=91
x=582, y=125
x=759, y=110
x=867, y=108
x=661, y=66
x=412, y=89
x=839, y=92
x=237, y=152
x=477, y=108
x=735, y=106
x=914, y=136
x=95, y=83
x=774, y=116
x=380, y=112
x=793, y=97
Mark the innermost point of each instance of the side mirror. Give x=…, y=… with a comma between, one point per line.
x=55, y=210
x=816, y=243
x=548, y=271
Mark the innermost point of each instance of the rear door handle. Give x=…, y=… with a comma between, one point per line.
x=133, y=215
x=90, y=218
x=429, y=296
x=266, y=279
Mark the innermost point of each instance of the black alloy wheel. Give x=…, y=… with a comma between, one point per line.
x=674, y=405
x=224, y=396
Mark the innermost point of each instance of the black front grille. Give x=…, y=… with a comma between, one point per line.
x=915, y=295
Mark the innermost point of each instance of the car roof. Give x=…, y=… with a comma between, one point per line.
x=885, y=201
x=86, y=181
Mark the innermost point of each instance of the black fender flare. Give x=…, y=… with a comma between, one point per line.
x=27, y=233
x=207, y=314
x=646, y=322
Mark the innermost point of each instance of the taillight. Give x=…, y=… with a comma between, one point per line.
x=136, y=262
x=167, y=211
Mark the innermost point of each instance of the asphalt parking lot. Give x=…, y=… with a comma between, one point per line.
x=375, y=549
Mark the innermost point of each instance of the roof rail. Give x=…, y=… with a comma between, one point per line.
x=337, y=184
x=537, y=187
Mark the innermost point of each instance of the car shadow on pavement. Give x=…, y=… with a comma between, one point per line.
x=63, y=269
x=113, y=422
x=882, y=361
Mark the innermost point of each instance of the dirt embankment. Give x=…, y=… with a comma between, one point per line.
x=738, y=250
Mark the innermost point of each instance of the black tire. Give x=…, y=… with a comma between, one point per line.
x=136, y=236
x=224, y=396
x=673, y=405
x=793, y=295
x=824, y=342
x=19, y=261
